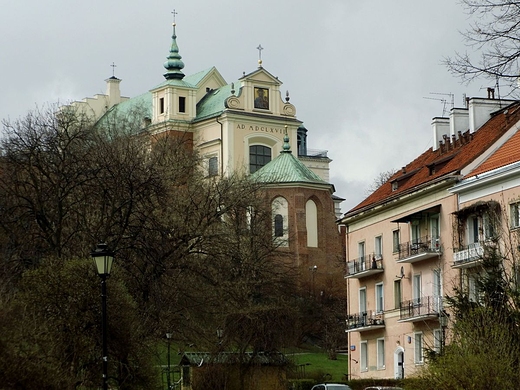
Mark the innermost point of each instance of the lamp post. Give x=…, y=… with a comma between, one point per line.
x=168, y=378
x=443, y=322
x=103, y=258
x=313, y=270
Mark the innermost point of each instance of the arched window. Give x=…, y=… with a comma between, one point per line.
x=280, y=210
x=259, y=156
x=311, y=221
x=278, y=225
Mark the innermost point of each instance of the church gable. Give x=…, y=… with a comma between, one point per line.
x=259, y=92
x=205, y=81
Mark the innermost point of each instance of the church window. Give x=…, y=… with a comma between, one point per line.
x=161, y=105
x=278, y=225
x=280, y=215
x=259, y=156
x=213, y=166
x=311, y=219
x=182, y=104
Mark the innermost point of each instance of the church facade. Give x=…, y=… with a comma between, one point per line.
x=249, y=127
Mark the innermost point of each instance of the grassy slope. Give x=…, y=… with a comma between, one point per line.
x=320, y=365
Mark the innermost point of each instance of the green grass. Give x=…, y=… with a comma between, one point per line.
x=317, y=365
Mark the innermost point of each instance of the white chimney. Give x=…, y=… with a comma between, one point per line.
x=480, y=110
x=440, y=127
x=113, y=93
x=459, y=121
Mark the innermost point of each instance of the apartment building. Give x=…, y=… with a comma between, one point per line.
x=403, y=251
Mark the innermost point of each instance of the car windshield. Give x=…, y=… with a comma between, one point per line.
x=337, y=387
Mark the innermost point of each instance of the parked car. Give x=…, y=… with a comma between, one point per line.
x=383, y=388
x=331, y=386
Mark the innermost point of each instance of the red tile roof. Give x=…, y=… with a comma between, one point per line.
x=449, y=159
x=507, y=154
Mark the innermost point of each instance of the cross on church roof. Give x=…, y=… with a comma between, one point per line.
x=174, y=13
x=113, y=69
x=260, y=48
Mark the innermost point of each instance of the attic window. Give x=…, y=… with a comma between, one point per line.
x=394, y=186
x=161, y=105
x=182, y=104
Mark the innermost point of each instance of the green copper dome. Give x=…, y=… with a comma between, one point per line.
x=174, y=63
x=286, y=168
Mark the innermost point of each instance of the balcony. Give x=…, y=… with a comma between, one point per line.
x=364, y=321
x=420, y=309
x=364, y=266
x=419, y=249
x=469, y=256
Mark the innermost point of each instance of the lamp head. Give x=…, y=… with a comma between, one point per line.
x=103, y=258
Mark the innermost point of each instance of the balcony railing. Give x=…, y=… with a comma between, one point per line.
x=365, y=321
x=419, y=249
x=364, y=266
x=468, y=256
x=420, y=308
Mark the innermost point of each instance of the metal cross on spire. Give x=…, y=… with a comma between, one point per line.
x=260, y=48
x=113, y=69
x=174, y=13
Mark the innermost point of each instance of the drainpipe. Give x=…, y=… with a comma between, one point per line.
x=221, y=147
x=348, y=304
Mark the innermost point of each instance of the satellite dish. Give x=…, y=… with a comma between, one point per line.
x=401, y=274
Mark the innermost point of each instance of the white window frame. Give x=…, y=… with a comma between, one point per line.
x=381, y=354
x=515, y=215
x=418, y=354
x=363, y=356
x=437, y=340
x=378, y=246
x=363, y=292
x=396, y=240
x=417, y=288
x=398, y=293
x=380, y=298
x=362, y=254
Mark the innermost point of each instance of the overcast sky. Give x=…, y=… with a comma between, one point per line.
x=358, y=72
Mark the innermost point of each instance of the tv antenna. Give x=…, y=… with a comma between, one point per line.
x=444, y=101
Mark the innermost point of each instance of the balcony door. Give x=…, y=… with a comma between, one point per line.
x=417, y=289
x=437, y=290
x=363, y=300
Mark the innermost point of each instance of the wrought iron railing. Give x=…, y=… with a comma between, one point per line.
x=364, y=263
x=364, y=319
x=426, y=244
x=468, y=253
x=420, y=307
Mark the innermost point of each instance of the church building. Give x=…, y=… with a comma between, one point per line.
x=247, y=127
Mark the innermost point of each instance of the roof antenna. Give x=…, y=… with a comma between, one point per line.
x=444, y=101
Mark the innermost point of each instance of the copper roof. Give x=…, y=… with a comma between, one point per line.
x=449, y=159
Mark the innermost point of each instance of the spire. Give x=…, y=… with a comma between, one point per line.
x=286, y=147
x=174, y=63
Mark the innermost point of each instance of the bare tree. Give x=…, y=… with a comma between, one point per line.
x=493, y=41
x=379, y=180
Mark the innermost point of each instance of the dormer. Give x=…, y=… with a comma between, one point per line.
x=259, y=92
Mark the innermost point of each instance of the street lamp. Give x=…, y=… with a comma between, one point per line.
x=103, y=258
x=169, y=337
x=443, y=322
